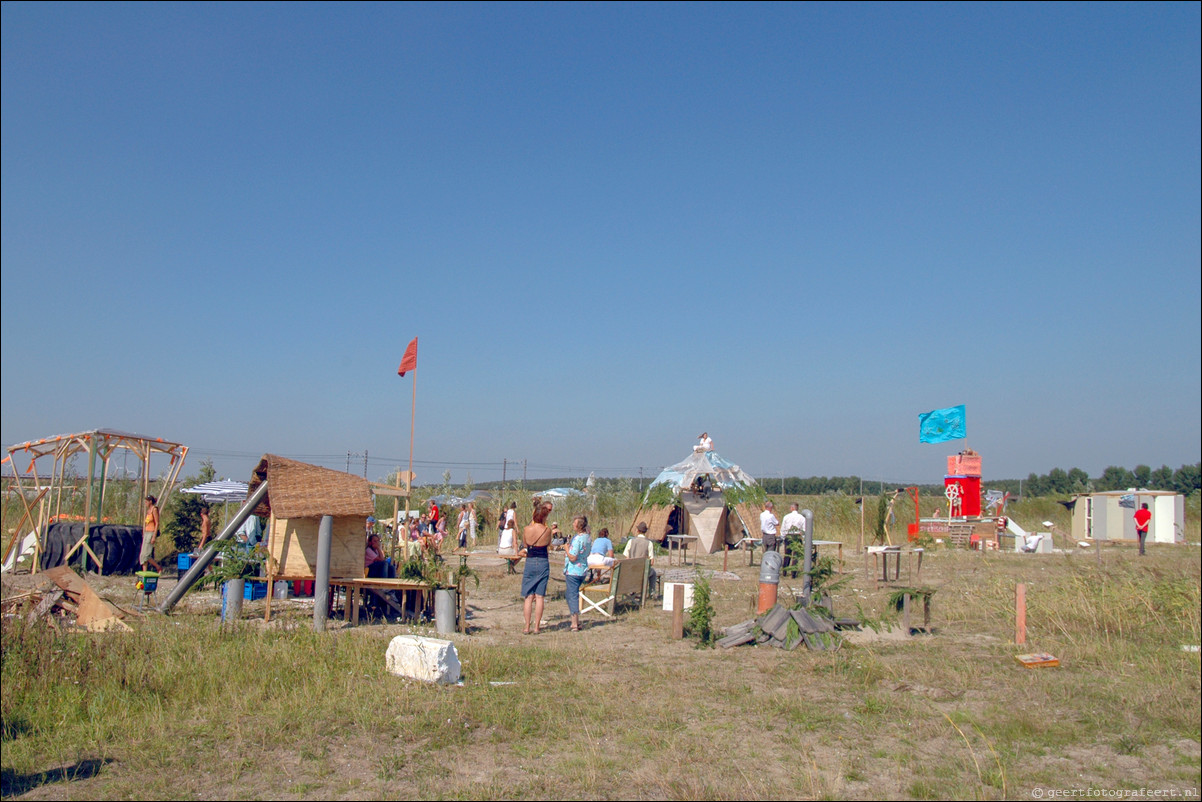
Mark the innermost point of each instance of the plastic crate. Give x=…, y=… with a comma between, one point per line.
x=184, y=561
x=253, y=591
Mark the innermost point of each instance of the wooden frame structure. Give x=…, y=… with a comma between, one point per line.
x=100, y=445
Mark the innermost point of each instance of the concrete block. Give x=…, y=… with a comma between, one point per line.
x=426, y=659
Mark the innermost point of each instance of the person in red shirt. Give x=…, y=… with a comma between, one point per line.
x=434, y=515
x=1142, y=519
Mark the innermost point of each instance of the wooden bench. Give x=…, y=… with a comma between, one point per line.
x=627, y=577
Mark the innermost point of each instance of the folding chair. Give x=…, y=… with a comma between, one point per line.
x=628, y=577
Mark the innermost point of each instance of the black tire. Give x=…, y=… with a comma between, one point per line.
x=116, y=561
x=48, y=539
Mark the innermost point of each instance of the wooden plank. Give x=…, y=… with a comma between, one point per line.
x=44, y=606
x=293, y=546
x=678, y=611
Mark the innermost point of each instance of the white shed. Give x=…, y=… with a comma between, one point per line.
x=1101, y=516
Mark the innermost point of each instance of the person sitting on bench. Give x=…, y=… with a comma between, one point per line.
x=377, y=565
x=639, y=546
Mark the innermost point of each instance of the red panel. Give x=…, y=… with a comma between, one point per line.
x=970, y=494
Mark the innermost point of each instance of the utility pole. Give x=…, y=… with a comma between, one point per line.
x=365, y=463
x=523, y=471
x=640, y=478
x=504, y=469
x=348, y=462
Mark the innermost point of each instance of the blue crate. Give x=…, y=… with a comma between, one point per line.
x=253, y=591
x=184, y=561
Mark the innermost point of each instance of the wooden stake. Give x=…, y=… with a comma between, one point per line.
x=678, y=611
x=1020, y=614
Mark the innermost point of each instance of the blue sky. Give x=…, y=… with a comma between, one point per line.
x=611, y=226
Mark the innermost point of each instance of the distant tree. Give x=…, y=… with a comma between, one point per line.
x=1078, y=480
x=1143, y=476
x=1162, y=478
x=1115, y=478
x=1058, y=481
x=1186, y=478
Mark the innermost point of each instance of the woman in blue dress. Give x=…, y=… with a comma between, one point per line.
x=536, y=538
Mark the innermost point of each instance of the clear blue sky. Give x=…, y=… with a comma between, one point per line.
x=611, y=226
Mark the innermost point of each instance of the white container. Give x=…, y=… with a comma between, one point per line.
x=668, y=594
x=281, y=590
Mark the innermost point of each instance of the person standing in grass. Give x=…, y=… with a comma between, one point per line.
x=768, y=524
x=206, y=527
x=462, y=526
x=150, y=533
x=575, y=567
x=508, y=526
x=1143, y=517
x=535, y=539
x=793, y=527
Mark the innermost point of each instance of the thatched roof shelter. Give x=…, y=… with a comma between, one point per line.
x=300, y=490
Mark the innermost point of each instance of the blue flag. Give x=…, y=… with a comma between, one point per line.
x=941, y=425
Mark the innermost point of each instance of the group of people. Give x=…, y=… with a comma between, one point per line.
x=582, y=556
x=788, y=534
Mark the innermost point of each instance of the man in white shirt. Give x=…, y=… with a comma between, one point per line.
x=768, y=524
x=793, y=529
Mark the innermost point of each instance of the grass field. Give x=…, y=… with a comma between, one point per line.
x=183, y=709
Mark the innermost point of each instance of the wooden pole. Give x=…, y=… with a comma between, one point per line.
x=862, y=503
x=1020, y=614
x=678, y=611
x=412, y=421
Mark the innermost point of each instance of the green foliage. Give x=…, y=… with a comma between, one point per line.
x=744, y=494
x=882, y=513
x=661, y=495
x=236, y=562
x=701, y=615
x=464, y=571
x=181, y=519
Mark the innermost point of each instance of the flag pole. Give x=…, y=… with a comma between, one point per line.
x=412, y=419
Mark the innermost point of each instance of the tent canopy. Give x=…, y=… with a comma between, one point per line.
x=724, y=473
x=559, y=493
x=220, y=490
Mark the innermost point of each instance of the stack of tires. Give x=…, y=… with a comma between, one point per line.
x=118, y=547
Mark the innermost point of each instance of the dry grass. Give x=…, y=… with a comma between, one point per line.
x=182, y=709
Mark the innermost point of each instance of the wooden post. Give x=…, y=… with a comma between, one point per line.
x=862, y=502
x=678, y=611
x=725, y=556
x=1020, y=614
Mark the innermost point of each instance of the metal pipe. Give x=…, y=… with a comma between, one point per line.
x=321, y=588
x=807, y=582
x=205, y=559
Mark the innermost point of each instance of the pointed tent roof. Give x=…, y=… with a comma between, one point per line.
x=724, y=473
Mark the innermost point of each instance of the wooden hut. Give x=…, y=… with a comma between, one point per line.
x=298, y=495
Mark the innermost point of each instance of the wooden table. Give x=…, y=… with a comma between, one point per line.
x=750, y=543
x=681, y=542
x=890, y=558
x=353, y=585
x=838, y=544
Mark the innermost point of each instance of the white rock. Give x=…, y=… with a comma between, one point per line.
x=427, y=659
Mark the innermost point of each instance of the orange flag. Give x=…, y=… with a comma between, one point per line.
x=409, y=361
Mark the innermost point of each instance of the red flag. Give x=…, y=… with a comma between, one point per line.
x=409, y=361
